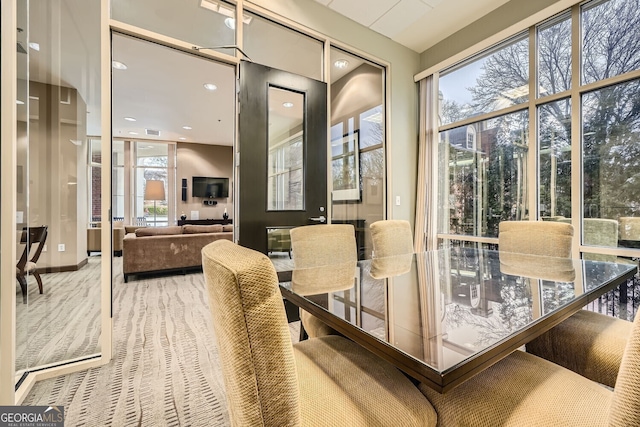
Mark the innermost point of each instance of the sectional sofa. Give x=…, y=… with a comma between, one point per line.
x=172, y=248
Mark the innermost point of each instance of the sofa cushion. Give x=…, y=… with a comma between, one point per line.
x=132, y=228
x=159, y=231
x=193, y=229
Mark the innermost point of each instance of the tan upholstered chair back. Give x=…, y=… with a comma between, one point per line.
x=321, y=245
x=625, y=407
x=391, y=238
x=544, y=238
x=252, y=334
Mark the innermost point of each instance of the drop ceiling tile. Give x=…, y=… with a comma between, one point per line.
x=365, y=12
x=403, y=14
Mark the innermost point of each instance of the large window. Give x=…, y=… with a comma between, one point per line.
x=512, y=164
x=150, y=161
x=487, y=173
x=481, y=85
x=153, y=164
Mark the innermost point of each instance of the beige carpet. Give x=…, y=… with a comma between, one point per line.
x=64, y=322
x=165, y=369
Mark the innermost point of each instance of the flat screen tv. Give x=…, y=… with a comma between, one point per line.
x=204, y=186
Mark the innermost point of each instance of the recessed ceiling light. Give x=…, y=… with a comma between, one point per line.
x=118, y=65
x=130, y=119
x=133, y=133
x=230, y=23
x=186, y=127
x=287, y=104
x=19, y=102
x=182, y=138
x=210, y=86
x=34, y=46
x=341, y=63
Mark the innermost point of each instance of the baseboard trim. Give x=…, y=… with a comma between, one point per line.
x=63, y=268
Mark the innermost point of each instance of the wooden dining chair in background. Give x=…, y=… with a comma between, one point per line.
x=27, y=262
x=326, y=381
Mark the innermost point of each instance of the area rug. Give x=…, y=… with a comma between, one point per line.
x=165, y=369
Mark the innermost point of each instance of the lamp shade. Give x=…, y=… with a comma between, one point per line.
x=154, y=190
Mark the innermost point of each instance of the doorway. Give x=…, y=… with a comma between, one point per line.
x=283, y=156
x=173, y=120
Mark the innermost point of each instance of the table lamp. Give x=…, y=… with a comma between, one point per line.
x=154, y=190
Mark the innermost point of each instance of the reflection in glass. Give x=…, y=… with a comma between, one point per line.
x=554, y=127
x=610, y=152
x=345, y=167
x=554, y=56
x=610, y=42
x=455, y=304
x=496, y=80
x=358, y=173
x=485, y=183
x=279, y=248
x=285, y=180
x=59, y=94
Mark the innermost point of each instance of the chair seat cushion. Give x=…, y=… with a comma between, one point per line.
x=588, y=343
x=523, y=390
x=30, y=266
x=343, y=384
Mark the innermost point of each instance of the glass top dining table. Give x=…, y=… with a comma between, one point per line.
x=443, y=316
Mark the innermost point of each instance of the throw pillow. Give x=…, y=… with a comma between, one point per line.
x=193, y=229
x=159, y=231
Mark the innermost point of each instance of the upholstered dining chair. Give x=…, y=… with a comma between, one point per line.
x=589, y=343
x=391, y=237
x=318, y=246
x=27, y=262
x=525, y=390
x=327, y=381
x=544, y=238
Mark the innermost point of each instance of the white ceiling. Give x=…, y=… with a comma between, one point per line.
x=416, y=24
x=163, y=88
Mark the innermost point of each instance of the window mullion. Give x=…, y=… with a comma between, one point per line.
x=533, y=176
x=576, y=130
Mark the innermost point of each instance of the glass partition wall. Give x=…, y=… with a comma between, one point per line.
x=64, y=170
x=358, y=173
x=58, y=291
